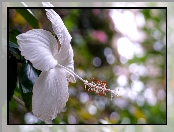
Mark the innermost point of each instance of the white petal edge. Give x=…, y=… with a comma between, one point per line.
x=50, y=94
x=39, y=47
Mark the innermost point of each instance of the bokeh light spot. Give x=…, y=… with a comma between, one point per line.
x=96, y=61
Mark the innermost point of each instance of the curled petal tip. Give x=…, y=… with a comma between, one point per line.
x=47, y=4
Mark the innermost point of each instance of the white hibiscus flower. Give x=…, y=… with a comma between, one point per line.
x=55, y=60
x=40, y=47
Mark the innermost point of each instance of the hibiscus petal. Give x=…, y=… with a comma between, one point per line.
x=68, y=63
x=50, y=94
x=59, y=29
x=65, y=55
x=38, y=46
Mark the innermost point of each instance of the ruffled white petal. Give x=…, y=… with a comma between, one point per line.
x=39, y=47
x=65, y=55
x=60, y=30
x=50, y=94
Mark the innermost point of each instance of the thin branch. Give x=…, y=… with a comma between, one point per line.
x=20, y=102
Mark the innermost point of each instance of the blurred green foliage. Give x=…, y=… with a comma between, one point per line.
x=92, y=32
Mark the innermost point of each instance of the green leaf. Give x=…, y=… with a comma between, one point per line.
x=13, y=34
x=13, y=45
x=13, y=48
x=27, y=78
x=11, y=76
x=28, y=17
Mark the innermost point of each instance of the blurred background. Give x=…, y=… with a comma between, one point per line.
x=124, y=47
x=144, y=36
